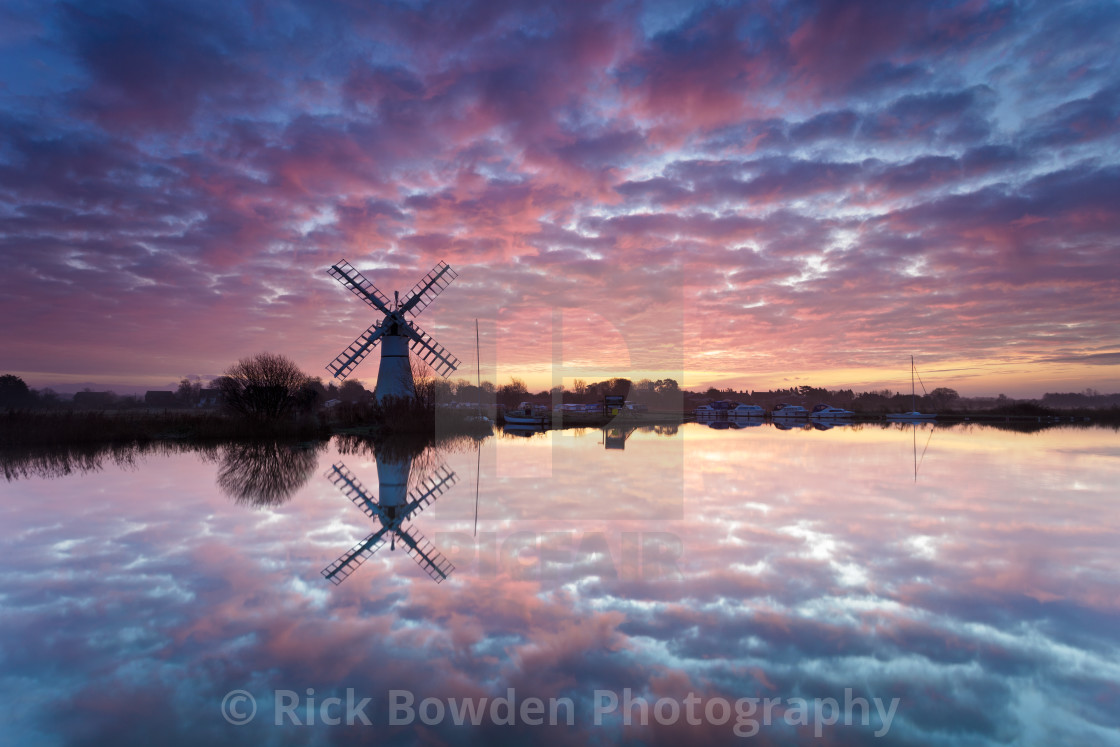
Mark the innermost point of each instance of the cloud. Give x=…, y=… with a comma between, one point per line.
x=173, y=168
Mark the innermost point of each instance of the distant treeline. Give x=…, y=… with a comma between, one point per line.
x=351, y=402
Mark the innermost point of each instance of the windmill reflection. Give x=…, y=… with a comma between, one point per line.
x=266, y=473
x=390, y=510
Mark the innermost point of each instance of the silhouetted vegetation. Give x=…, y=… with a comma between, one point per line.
x=264, y=387
x=22, y=428
x=267, y=397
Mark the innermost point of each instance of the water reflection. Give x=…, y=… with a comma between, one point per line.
x=614, y=436
x=393, y=505
x=266, y=473
x=63, y=461
x=983, y=597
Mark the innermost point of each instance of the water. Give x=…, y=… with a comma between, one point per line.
x=875, y=585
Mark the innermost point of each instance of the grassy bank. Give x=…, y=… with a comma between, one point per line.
x=47, y=429
x=23, y=429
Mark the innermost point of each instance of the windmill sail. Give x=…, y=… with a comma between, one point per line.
x=429, y=287
x=343, y=479
x=349, y=358
x=426, y=555
x=351, y=560
x=345, y=273
x=395, y=334
x=430, y=351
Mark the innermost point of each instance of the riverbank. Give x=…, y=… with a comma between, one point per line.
x=33, y=429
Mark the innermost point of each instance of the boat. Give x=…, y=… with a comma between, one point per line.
x=823, y=411
x=528, y=414
x=913, y=414
x=746, y=411
x=721, y=408
x=785, y=410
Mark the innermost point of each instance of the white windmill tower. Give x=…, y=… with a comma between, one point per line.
x=393, y=507
x=398, y=333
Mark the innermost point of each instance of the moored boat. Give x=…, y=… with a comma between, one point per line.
x=746, y=411
x=785, y=410
x=528, y=414
x=913, y=414
x=908, y=416
x=827, y=412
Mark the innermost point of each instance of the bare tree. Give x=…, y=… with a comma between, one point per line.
x=265, y=386
x=513, y=393
x=424, y=383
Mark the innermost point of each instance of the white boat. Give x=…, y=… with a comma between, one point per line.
x=704, y=410
x=528, y=414
x=784, y=410
x=747, y=411
x=827, y=412
x=913, y=414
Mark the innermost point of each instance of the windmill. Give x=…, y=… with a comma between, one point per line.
x=394, y=376
x=394, y=507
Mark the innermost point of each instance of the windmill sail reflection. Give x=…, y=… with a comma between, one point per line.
x=391, y=509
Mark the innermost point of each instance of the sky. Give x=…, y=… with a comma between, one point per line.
x=745, y=195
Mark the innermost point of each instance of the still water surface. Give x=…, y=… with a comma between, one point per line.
x=873, y=585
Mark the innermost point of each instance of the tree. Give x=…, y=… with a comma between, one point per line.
x=188, y=392
x=265, y=386
x=352, y=391
x=312, y=395
x=943, y=397
x=424, y=387
x=618, y=387
x=513, y=393
x=14, y=392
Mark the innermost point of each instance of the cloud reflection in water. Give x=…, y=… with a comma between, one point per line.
x=983, y=595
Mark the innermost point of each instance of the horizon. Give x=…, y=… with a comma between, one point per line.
x=727, y=196
x=368, y=384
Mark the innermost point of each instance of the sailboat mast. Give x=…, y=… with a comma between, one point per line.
x=913, y=393
x=478, y=367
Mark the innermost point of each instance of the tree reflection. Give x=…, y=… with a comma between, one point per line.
x=62, y=461
x=266, y=473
